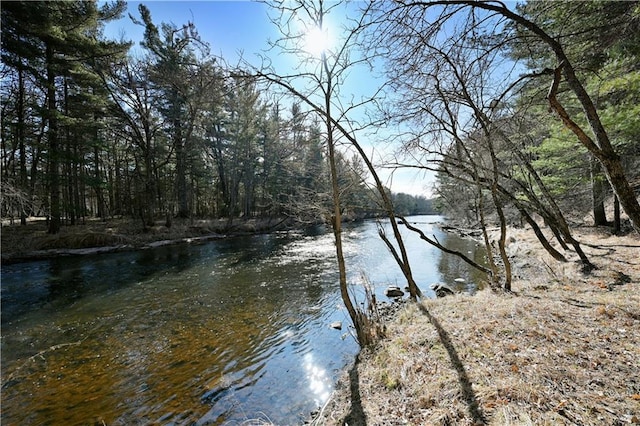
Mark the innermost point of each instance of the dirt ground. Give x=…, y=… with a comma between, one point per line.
x=563, y=349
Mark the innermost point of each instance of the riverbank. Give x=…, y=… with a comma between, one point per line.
x=562, y=350
x=94, y=236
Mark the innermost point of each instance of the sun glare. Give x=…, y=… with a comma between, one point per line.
x=316, y=41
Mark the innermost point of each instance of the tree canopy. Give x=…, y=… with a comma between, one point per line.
x=526, y=113
x=90, y=129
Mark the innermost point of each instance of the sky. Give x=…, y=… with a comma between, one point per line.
x=228, y=26
x=236, y=29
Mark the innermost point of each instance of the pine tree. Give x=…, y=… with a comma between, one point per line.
x=183, y=78
x=62, y=42
x=601, y=39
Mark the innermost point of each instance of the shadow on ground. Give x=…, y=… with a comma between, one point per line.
x=356, y=415
x=468, y=395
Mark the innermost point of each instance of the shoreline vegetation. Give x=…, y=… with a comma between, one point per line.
x=561, y=349
x=95, y=236
x=31, y=242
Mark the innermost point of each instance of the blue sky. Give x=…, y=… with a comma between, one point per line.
x=243, y=27
x=228, y=26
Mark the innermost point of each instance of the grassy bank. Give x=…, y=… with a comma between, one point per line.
x=563, y=350
x=30, y=242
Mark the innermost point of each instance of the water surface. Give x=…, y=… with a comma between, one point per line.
x=218, y=333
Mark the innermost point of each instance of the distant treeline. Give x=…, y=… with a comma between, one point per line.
x=407, y=205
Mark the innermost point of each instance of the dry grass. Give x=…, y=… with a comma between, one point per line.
x=563, y=350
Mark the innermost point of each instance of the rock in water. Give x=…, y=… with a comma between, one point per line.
x=442, y=290
x=393, y=291
x=337, y=325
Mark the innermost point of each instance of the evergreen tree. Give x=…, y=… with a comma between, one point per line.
x=182, y=77
x=60, y=41
x=601, y=39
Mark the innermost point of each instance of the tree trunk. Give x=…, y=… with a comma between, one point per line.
x=98, y=184
x=357, y=320
x=181, y=171
x=336, y=222
x=624, y=192
x=23, y=154
x=502, y=241
x=543, y=240
x=616, y=215
x=52, y=134
x=403, y=258
x=598, y=195
x=151, y=189
x=602, y=150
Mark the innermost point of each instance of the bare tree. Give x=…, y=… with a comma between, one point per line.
x=448, y=104
x=133, y=97
x=598, y=144
x=317, y=84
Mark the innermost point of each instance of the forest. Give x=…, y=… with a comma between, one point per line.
x=523, y=114
x=91, y=130
x=527, y=115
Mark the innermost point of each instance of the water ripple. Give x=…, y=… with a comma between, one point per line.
x=222, y=332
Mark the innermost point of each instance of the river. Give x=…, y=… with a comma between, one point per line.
x=226, y=332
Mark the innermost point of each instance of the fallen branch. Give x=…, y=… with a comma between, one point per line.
x=41, y=355
x=434, y=242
